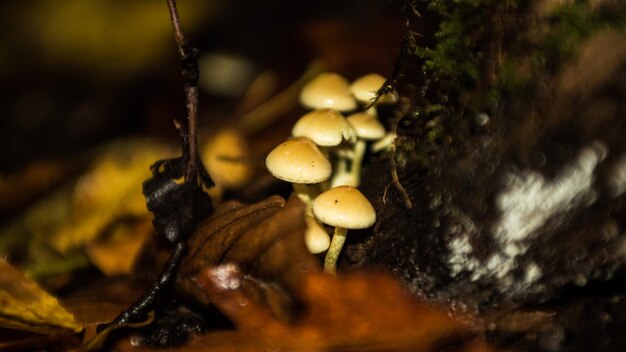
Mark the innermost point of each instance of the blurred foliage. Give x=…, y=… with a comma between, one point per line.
x=116, y=251
x=25, y=306
x=108, y=193
x=478, y=42
x=106, y=37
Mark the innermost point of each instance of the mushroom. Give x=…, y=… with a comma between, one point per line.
x=325, y=127
x=301, y=162
x=316, y=238
x=367, y=128
x=226, y=157
x=328, y=128
x=365, y=88
x=328, y=90
x=343, y=207
x=384, y=143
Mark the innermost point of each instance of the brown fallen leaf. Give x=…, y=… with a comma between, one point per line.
x=265, y=240
x=251, y=263
x=352, y=312
x=16, y=340
x=25, y=306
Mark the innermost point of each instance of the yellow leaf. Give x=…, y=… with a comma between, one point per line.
x=115, y=254
x=25, y=306
x=108, y=191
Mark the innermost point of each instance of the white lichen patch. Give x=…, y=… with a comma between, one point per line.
x=530, y=200
x=461, y=258
x=527, y=204
x=617, y=177
x=532, y=274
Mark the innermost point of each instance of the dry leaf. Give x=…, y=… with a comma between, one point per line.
x=251, y=263
x=25, y=306
x=265, y=240
x=351, y=312
x=108, y=192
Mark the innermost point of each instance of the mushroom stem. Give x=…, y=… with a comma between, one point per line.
x=316, y=238
x=352, y=178
x=306, y=193
x=340, y=170
x=336, y=245
x=357, y=161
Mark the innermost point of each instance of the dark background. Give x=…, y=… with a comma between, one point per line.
x=75, y=74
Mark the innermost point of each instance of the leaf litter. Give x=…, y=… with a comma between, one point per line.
x=26, y=306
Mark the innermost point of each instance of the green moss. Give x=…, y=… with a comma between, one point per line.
x=489, y=54
x=571, y=24
x=453, y=57
x=483, y=54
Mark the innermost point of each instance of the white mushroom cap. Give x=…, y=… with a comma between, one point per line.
x=364, y=89
x=325, y=127
x=298, y=160
x=328, y=90
x=344, y=207
x=225, y=156
x=366, y=126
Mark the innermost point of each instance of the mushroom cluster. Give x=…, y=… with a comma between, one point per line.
x=326, y=151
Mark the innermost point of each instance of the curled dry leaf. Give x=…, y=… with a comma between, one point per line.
x=266, y=242
x=351, y=312
x=25, y=306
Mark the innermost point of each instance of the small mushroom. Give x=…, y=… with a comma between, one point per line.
x=384, y=143
x=316, y=238
x=226, y=156
x=325, y=127
x=301, y=162
x=328, y=90
x=364, y=90
x=367, y=128
x=343, y=207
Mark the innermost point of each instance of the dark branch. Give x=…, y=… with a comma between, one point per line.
x=191, y=72
x=140, y=309
x=177, y=207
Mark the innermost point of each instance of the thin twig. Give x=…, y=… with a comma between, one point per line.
x=178, y=32
x=400, y=113
x=189, y=59
x=408, y=46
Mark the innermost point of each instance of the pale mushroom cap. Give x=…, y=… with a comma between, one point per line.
x=316, y=238
x=344, y=206
x=226, y=156
x=298, y=160
x=325, y=127
x=364, y=89
x=328, y=90
x=367, y=126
